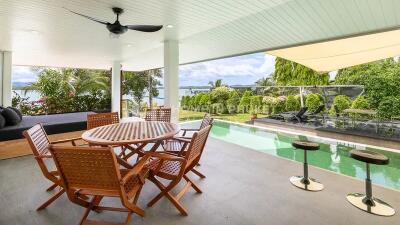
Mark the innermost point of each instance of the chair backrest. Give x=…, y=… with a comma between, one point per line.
x=87, y=168
x=39, y=143
x=196, y=146
x=161, y=115
x=207, y=120
x=101, y=119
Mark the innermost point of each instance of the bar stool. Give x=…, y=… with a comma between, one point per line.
x=305, y=182
x=365, y=201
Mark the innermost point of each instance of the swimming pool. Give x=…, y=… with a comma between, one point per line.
x=333, y=155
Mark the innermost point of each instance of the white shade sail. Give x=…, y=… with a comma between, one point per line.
x=342, y=53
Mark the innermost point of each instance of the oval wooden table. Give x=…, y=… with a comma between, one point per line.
x=140, y=134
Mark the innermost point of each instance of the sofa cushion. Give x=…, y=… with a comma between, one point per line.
x=11, y=117
x=2, y=121
x=17, y=111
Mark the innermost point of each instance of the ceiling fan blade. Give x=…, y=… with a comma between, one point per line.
x=144, y=28
x=89, y=17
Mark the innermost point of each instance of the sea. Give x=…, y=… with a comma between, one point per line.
x=184, y=91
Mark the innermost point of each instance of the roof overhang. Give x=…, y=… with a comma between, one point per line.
x=43, y=33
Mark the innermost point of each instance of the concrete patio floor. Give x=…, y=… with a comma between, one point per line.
x=242, y=187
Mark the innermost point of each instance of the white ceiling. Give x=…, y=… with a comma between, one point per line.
x=205, y=29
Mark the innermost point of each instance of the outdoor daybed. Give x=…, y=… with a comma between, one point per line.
x=59, y=126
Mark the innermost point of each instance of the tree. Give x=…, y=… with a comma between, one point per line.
x=265, y=82
x=216, y=84
x=153, y=83
x=65, y=90
x=244, y=103
x=291, y=73
x=135, y=84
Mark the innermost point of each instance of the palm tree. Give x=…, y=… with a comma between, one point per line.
x=217, y=83
x=265, y=81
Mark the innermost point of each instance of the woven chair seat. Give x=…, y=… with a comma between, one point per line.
x=168, y=170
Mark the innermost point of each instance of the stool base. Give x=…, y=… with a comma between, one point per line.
x=377, y=206
x=312, y=185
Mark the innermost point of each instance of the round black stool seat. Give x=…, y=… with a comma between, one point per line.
x=304, y=182
x=366, y=201
x=369, y=157
x=306, y=145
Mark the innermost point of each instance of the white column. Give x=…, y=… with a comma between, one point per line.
x=116, y=87
x=5, y=78
x=171, y=78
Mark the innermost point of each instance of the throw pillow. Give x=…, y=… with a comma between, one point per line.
x=11, y=117
x=2, y=121
x=17, y=111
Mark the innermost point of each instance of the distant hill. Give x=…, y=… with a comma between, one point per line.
x=19, y=85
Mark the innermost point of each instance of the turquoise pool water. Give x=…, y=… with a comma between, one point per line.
x=333, y=156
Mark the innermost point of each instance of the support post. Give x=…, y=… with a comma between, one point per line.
x=116, y=87
x=171, y=78
x=5, y=78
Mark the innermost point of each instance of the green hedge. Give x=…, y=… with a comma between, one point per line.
x=340, y=103
x=313, y=101
x=292, y=103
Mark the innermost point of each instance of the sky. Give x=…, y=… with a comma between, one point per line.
x=240, y=70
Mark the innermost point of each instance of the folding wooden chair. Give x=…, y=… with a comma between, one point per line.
x=94, y=171
x=101, y=119
x=174, y=168
x=178, y=145
x=160, y=114
x=39, y=143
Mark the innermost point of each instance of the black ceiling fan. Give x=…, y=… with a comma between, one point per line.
x=116, y=28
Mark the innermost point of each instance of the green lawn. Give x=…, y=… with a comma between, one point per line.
x=185, y=115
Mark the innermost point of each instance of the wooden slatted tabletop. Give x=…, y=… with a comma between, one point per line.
x=130, y=133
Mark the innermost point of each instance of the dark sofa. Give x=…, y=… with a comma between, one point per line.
x=53, y=124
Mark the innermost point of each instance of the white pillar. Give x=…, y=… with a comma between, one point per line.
x=5, y=78
x=171, y=78
x=116, y=87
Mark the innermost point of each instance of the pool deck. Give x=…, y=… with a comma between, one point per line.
x=242, y=187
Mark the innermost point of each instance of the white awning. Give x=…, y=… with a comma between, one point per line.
x=342, y=53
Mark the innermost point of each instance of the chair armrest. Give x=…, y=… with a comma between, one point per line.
x=188, y=129
x=72, y=140
x=182, y=139
x=135, y=171
x=44, y=157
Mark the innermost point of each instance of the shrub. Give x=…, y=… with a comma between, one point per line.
x=244, y=103
x=268, y=104
x=389, y=107
x=255, y=104
x=292, y=103
x=340, y=103
x=217, y=108
x=233, y=102
x=204, y=102
x=360, y=103
x=279, y=104
x=185, y=102
x=313, y=101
